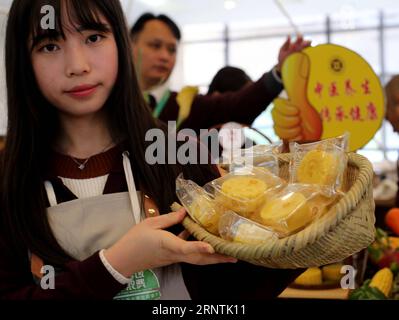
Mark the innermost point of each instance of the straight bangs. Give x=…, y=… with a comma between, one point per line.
x=80, y=14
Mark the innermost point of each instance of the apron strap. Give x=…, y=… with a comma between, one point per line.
x=131, y=187
x=52, y=199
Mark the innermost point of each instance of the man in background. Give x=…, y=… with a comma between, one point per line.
x=155, y=42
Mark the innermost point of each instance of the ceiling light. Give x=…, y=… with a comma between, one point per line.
x=230, y=4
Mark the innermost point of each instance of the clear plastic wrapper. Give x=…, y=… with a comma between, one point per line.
x=292, y=209
x=233, y=227
x=244, y=190
x=339, y=141
x=200, y=205
x=320, y=163
x=265, y=156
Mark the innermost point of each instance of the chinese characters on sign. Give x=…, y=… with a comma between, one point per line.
x=138, y=281
x=356, y=112
x=330, y=90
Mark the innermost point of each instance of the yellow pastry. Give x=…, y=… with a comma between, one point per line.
x=207, y=212
x=318, y=167
x=288, y=213
x=243, y=194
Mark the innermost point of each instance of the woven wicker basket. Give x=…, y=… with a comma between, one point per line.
x=346, y=229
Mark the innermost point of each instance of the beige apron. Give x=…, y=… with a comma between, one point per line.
x=85, y=226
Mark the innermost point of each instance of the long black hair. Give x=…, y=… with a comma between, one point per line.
x=33, y=124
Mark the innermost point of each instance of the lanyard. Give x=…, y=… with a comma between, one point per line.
x=161, y=104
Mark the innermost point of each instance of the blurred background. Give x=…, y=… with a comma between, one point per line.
x=249, y=33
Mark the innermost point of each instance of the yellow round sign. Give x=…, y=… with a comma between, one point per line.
x=331, y=90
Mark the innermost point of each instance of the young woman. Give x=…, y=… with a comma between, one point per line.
x=77, y=194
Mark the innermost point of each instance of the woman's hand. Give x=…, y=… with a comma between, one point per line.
x=148, y=246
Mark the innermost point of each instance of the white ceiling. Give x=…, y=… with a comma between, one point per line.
x=189, y=12
x=213, y=11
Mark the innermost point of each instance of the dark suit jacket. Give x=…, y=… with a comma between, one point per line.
x=242, y=106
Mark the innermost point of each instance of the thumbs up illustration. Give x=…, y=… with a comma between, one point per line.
x=294, y=118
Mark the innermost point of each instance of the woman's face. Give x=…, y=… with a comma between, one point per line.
x=77, y=74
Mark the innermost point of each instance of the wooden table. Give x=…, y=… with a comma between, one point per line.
x=332, y=294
